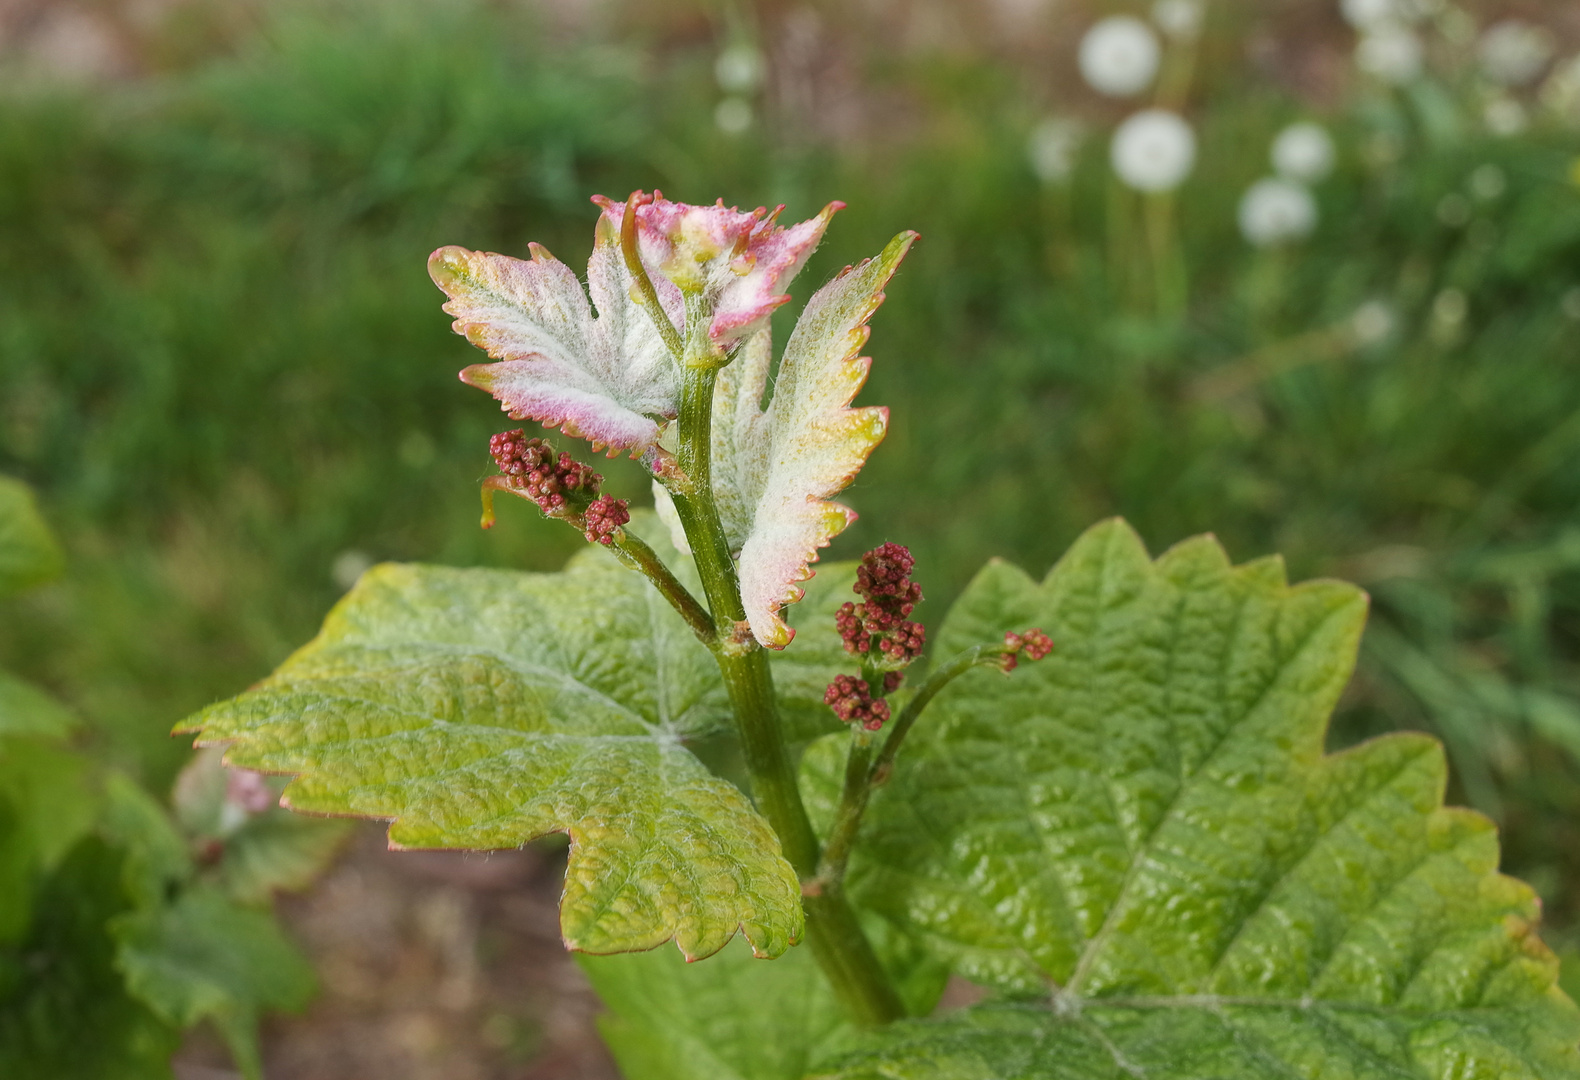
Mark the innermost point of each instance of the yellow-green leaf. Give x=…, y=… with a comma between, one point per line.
x=480, y=708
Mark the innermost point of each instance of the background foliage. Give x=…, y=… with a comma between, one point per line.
x=223, y=367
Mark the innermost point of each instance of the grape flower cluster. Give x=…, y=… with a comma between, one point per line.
x=878, y=626
x=561, y=486
x=1034, y=643
x=852, y=701
x=877, y=630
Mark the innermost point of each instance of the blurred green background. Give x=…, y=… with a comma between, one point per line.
x=225, y=370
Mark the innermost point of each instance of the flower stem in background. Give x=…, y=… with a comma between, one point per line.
x=1170, y=284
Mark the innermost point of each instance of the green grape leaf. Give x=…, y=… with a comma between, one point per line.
x=731, y=1017
x=1144, y=830
x=27, y=710
x=204, y=958
x=64, y=1010
x=479, y=709
x=802, y=674
x=734, y=1017
x=29, y=554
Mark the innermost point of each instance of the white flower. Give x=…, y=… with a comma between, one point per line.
x=1119, y=56
x=1365, y=14
x=1304, y=151
x=739, y=69
x=1179, y=19
x=1153, y=150
x=1505, y=116
x=1513, y=52
x=1390, y=52
x=733, y=115
x=1051, y=149
x=1275, y=210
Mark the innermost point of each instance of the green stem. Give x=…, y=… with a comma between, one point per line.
x=837, y=940
x=634, y=552
x=864, y=772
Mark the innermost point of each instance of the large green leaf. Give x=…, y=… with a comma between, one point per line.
x=28, y=552
x=730, y=1017
x=481, y=708
x=47, y=804
x=204, y=958
x=734, y=1017
x=64, y=1010
x=1143, y=831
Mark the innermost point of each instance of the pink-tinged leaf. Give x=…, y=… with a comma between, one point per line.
x=776, y=471
x=606, y=378
x=740, y=261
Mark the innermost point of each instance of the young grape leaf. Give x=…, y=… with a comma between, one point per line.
x=254, y=848
x=29, y=554
x=1143, y=829
x=479, y=709
x=777, y=470
x=604, y=378
x=739, y=261
x=204, y=958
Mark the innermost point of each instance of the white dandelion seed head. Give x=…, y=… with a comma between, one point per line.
x=1372, y=324
x=1119, y=56
x=1365, y=14
x=1275, y=211
x=733, y=116
x=1505, y=117
x=1561, y=91
x=1514, y=52
x=1051, y=148
x=1153, y=150
x=1304, y=151
x=739, y=69
x=1179, y=19
x=1391, y=52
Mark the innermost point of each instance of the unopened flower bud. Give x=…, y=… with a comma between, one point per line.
x=1034, y=643
x=852, y=701
x=530, y=467
x=878, y=626
x=603, y=517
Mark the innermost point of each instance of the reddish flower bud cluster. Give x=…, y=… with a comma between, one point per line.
x=531, y=467
x=879, y=622
x=852, y=701
x=603, y=517
x=1034, y=643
